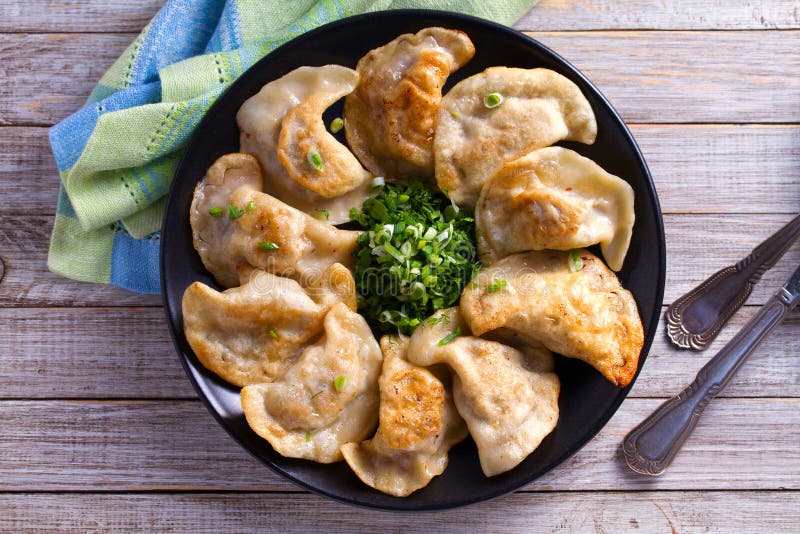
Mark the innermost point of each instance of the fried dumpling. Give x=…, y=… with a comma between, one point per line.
x=304, y=136
x=327, y=398
x=508, y=397
x=418, y=424
x=534, y=108
x=554, y=198
x=252, y=333
x=260, y=119
x=389, y=118
x=583, y=313
x=236, y=228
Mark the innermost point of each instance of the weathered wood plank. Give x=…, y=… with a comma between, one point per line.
x=668, y=77
x=77, y=16
x=148, y=445
x=643, y=512
x=568, y=15
x=697, y=246
x=651, y=77
x=24, y=242
x=88, y=353
x=758, y=164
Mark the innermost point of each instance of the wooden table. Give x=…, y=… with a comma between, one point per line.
x=100, y=429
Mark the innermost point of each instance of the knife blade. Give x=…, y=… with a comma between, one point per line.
x=650, y=447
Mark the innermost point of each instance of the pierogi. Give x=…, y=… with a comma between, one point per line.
x=260, y=119
x=252, y=230
x=389, y=118
x=584, y=314
x=554, y=198
x=508, y=397
x=327, y=398
x=418, y=426
x=535, y=108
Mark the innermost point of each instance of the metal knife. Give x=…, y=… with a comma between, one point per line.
x=650, y=447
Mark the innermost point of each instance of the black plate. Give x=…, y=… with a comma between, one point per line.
x=587, y=400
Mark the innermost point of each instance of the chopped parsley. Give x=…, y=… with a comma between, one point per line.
x=314, y=159
x=325, y=213
x=273, y=334
x=268, y=245
x=414, y=258
x=450, y=337
x=251, y=205
x=337, y=124
x=234, y=212
x=575, y=261
x=496, y=285
x=339, y=382
x=215, y=212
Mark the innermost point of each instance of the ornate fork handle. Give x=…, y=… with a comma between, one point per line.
x=650, y=447
x=695, y=319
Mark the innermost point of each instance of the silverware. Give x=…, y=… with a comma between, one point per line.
x=695, y=319
x=650, y=447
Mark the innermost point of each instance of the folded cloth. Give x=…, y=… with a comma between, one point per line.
x=118, y=153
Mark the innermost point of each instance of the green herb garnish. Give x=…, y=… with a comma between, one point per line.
x=251, y=205
x=414, y=258
x=325, y=213
x=492, y=100
x=450, y=337
x=378, y=182
x=339, y=382
x=273, y=334
x=308, y=435
x=234, y=212
x=215, y=212
x=337, y=124
x=575, y=261
x=268, y=245
x=314, y=159
x=496, y=285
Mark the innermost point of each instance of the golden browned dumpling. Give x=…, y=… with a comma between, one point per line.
x=327, y=398
x=313, y=157
x=252, y=333
x=508, y=397
x=260, y=119
x=529, y=109
x=543, y=297
x=237, y=229
x=418, y=426
x=389, y=119
x=554, y=198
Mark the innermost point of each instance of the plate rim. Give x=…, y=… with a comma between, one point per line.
x=651, y=193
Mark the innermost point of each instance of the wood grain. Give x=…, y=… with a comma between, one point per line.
x=89, y=353
x=643, y=512
x=167, y=445
x=650, y=77
x=758, y=164
x=77, y=16
x=697, y=246
x=551, y=15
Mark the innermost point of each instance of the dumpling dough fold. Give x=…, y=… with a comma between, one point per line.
x=508, y=397
x=252, y=333
x=539, y=108
x=418, y=426
x=327, y=398
x=389, y=118
x=231, y=248
x=584, y=314
x=554, y=198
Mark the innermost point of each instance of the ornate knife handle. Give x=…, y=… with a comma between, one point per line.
x=695, y=319
x=650, y=447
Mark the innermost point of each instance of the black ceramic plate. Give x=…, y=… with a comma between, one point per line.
x=587, y=400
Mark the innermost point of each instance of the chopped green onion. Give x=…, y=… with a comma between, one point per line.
x=273, y=334
x=215, y=212
x=337, y=124
x=492, y=100
x=314, y=159
x=450, y=337
x=234, y=212
x=575, y=261
x=496, y=285
x=251, y=205
x=268, y=245
x=378, y=182
x=325, y=213
x=308, y=435
x=339, y=382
